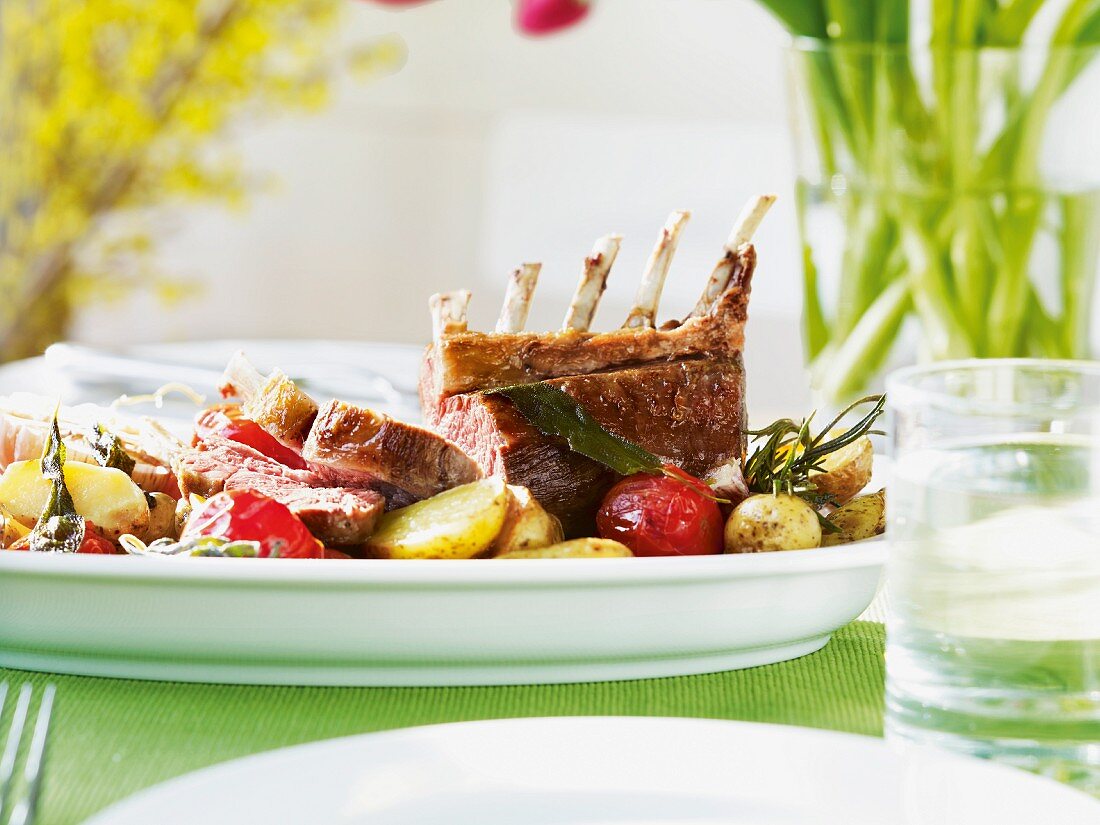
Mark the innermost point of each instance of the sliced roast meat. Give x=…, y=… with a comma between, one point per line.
x=204, y=469
x=687, y=413
x=335, y=514
x=347, y=445
x=361, y=442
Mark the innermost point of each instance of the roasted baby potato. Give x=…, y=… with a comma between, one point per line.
x=162, y=518
x=846, y=471
x=861, y=518
x=105, y=496
x=767, y=522
x=10, y=529
x=457, y=524
x=527, y=526
x=575, y=549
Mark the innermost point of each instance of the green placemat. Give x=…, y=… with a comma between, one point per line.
x=111, y=738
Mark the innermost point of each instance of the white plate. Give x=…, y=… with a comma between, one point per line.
x=399, y=622
x=408, y=622
x=600, y=771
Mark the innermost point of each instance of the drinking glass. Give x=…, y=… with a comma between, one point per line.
x=993, y=631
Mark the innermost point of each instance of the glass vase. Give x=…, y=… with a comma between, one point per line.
x=948, y=202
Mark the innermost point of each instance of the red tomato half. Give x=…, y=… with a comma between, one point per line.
x=662, y=516
x=242, y=515
x=226, y=420
x=95, y=542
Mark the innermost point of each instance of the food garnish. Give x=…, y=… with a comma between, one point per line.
x=109, y=452
x=667, y=515
x=60, y=528
x=790, y=455
x=555, y=412
x=210, y=546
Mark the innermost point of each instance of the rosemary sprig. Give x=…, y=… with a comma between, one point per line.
x=790, y=452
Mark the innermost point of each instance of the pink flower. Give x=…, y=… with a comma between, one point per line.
x=548, y=16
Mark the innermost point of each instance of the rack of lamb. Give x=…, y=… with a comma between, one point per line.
x=677, y=389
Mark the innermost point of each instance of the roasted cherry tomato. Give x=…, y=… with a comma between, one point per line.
x=662, y=515
x=226, y=420
x=242, y=515
x=95, y=542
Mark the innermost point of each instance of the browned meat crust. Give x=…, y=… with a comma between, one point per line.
x=359, y=440
x=469, y=361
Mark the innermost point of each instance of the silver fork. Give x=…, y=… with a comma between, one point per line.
x=27, y=806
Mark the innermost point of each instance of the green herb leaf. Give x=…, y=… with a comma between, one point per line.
x=211, y=546
x=555, y=412
x=108, y=451
x=789, y=452
x=60, y=529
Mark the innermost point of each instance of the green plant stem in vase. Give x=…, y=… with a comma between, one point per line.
x=946, y=184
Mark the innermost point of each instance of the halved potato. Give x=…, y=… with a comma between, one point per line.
x=527, y=525
x=457, y=524
x=103, y=495
x=10, y=529
x=575, y=549
x=861, y=518
x=847, y=471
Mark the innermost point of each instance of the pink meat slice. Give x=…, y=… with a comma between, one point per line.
x=337, y=515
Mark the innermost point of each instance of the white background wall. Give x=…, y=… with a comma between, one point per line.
x=488, y=149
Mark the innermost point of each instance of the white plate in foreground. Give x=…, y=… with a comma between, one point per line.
x=407, y=622
x=599, y=771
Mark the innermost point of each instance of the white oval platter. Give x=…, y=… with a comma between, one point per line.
x=408, y=622
x=398, y=622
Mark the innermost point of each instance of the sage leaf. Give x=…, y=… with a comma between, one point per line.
x=60, y=529
x=108, y=451
x=554, y=412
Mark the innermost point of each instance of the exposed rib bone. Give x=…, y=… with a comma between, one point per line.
x=517, y=299
x=590, y=289
x=653, y=281
x=241, y=378
x=449, y=312
x=743, y=230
